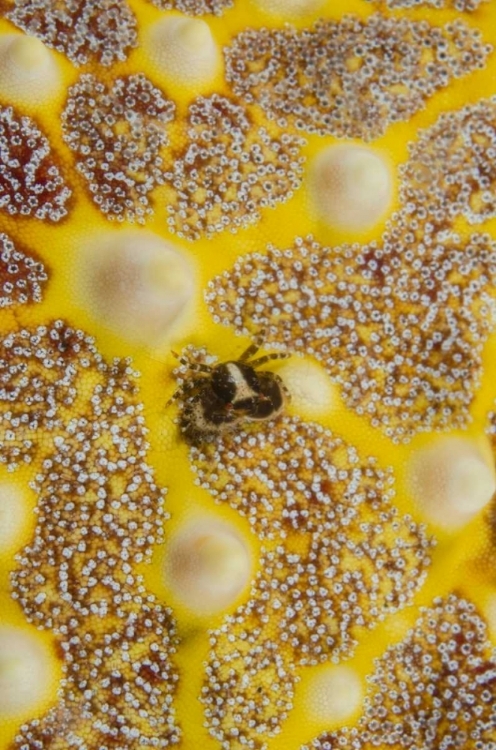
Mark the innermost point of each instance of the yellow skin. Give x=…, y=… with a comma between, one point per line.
x=339, y=547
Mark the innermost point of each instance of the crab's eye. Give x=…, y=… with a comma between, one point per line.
x=246, y=404
x=223, y=384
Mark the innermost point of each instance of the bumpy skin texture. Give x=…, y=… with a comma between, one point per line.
x=348, y=568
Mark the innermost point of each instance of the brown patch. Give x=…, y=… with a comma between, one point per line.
x=350, y=78
x=100, y=31
x=31, y=175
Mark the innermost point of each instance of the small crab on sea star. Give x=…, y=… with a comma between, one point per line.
x=284, y=549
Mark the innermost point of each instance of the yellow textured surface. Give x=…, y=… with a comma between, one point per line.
x=95, y=480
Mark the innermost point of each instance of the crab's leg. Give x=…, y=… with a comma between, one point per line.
x=195, y=366
x=185, y=388
x=268, y=357
x=252, y=349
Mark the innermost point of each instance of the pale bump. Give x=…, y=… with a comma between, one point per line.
x=137, y=284
x=25, y=672
x=28, y=73
x=308, y=385
x=452, y=479
x=350, y=186
x=194, y=35
x=334, y=694
x=208, y=565
x=183, y=50
x=12, y=515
